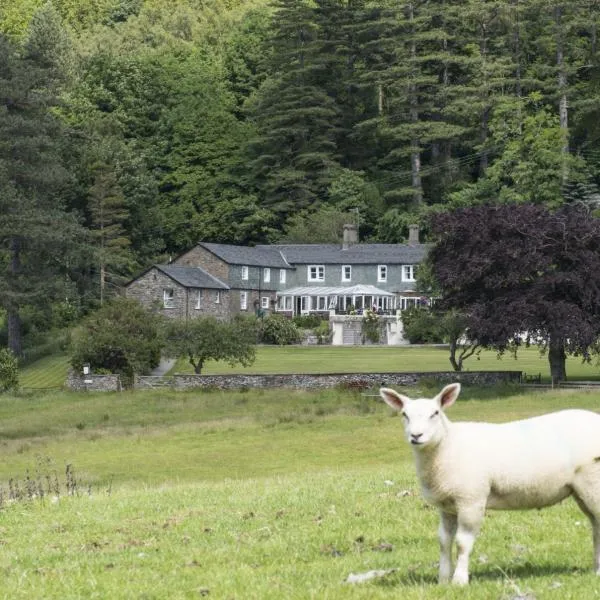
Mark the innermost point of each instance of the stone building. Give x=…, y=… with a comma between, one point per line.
x=224, y=280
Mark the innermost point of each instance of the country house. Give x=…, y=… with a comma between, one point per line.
x=224, y=280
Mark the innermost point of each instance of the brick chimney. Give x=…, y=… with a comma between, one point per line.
x=350, y=235
x=413, y=235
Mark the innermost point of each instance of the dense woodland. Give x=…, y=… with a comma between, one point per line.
x=130, y=129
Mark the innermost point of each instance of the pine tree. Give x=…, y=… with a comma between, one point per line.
x=36, y=234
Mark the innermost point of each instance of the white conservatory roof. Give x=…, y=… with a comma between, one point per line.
x=355, y=290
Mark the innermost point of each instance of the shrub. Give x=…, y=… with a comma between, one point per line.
x=278, y=330
x=370, y=327
x=307, y=321
x=121, y=336
x=323, y=332
x=422, y=326
x=9, y=370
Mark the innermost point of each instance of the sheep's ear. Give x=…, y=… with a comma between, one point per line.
x=447, y=397
x=393, y=398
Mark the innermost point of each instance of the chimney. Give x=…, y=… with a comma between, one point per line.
x=413, y=235
x=350, y=235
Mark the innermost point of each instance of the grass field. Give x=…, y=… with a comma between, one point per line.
x=261, y=494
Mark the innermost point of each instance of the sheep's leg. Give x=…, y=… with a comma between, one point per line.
x=446, y=533
x=469, y=522
x=589, y=503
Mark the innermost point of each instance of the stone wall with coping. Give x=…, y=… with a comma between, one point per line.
x=320, y=381
x=93, y=383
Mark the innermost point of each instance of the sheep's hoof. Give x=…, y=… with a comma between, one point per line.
x=460, y=579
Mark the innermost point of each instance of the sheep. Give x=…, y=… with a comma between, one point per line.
x=465, y=468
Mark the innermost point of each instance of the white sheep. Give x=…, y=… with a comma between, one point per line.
x=465, y=468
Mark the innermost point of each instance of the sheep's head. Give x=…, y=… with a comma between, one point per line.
x=424, y=421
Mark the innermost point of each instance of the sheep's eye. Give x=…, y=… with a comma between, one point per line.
x=405, y=415
x=435, y=414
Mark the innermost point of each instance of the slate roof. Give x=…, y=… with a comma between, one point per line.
x=257, y=256
x=192, y=277
x=355, y=290
x=356, y=254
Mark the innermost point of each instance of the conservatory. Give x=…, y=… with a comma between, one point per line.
x=354, y=299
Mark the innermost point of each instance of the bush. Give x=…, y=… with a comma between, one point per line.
x=422, y=326
x=307, y=321
x=9, y=371
x=370, y=327
x=278, y=330
x=323, y=332
x=121, y=336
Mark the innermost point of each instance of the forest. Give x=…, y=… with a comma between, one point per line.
x=131, y=129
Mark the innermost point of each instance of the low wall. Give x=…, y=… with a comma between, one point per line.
x=93, y=383
x=351, y=380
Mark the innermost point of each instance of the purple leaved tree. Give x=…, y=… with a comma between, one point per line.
x=521, y=272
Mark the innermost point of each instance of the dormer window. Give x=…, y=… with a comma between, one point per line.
x=316, y=273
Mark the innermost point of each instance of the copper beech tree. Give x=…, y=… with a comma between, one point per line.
x=522, y=273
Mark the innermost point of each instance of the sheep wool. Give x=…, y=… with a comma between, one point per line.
x=465, y=468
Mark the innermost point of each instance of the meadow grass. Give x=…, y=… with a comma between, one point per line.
x=259, y=494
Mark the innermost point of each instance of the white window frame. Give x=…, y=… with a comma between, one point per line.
x=198, y=300
x=168, y=298
x=267, y=275
x=244, y=273
x=321, y=302
x=218, y=297
x=409, y=273
x=318, y=275
x=382, y=273
x=282, y=275
x=243, y=300
x=408, y=302
x=264, y=302
x=349, y=275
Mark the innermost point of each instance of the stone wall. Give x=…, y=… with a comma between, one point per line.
x=351, y=380
x=201, y=257
x=93, y=383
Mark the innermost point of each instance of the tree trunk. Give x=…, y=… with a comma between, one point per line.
x=557, y=359
x=415, y=155
x=456, y=365
x=563, y=110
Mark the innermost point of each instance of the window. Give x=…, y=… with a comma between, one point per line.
x=316, y=273
x=408, y=302
x=284, y=303
x=244, y=273
x=217, y=297
x=321, y=303
x=168, y=298
x=282, y=275
x=264, y=302
x=267, y=275
x=243, y=300
x=408, y=272
x=199, y=300
x=332, y=302
x=346, y=273
x=382, y=273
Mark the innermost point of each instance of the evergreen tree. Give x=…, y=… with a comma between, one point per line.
x=37, y=235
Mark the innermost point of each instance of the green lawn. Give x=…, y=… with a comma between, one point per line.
x=257, y=495
x=51, y=371
x=357, y=359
